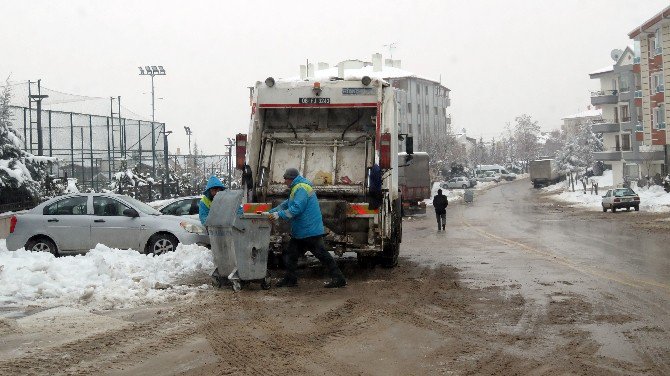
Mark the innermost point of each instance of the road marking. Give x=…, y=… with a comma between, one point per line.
x=627, y=280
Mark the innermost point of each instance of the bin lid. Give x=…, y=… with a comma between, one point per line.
x=224, y=208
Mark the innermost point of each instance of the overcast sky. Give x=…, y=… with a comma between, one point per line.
x=499, y=58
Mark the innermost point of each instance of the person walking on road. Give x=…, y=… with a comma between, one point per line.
x=440, y=203
x=214, y=186
x=302, y=210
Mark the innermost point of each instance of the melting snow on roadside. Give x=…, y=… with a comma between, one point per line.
x=652, y=199
x=104, y=278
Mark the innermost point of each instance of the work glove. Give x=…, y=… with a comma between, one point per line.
x=272, y=216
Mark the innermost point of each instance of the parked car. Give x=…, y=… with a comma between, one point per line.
x=507, y=175
x=457, y=182
x=485, y=176
x=181, y=206
x=76, y=223
x=619, y=198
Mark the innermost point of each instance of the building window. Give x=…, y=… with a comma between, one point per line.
x=625, y=115
x=435, y=110
x=625, y=142
x=657, y=42
x=426, y=110
x=657, y=82
x=409, y=108
x=623, y=83
x=418, y=89
x=426, y=90
x=659, y=117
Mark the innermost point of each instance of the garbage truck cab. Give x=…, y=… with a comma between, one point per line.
x=340, y=134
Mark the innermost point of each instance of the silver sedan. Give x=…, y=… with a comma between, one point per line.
x=76, y=223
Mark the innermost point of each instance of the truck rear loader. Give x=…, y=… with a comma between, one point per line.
x=342, y=135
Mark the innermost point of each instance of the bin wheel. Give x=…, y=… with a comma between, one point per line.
x=265, y=283
x=236, y=286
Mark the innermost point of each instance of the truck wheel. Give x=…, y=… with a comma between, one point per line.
x=464, y=186
x=613, y=209
x=604, y=209
x=637, y=207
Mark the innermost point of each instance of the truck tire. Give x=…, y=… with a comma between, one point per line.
x=391, y=250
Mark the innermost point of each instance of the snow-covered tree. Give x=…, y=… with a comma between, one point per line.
x=21, y=173
x=578, y=153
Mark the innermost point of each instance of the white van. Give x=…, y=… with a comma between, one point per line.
x=497, y=169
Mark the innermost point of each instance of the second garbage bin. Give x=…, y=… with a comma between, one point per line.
x=240, y=242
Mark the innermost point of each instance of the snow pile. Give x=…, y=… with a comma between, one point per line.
x=71, y=186
x=104, y=278
x=652, y=199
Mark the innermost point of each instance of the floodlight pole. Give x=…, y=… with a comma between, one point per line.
x=152, y=71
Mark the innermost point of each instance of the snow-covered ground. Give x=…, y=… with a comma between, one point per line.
x=653, y=199
x=103, y=278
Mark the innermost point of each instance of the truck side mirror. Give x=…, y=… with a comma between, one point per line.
x=409, y=145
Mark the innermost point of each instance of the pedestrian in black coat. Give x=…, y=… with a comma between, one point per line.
x=440, y=203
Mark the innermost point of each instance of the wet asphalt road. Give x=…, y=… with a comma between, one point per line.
x=511, y=239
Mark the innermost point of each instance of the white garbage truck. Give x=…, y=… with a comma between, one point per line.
x=342, y=135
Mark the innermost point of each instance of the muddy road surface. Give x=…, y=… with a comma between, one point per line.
x=515, y=285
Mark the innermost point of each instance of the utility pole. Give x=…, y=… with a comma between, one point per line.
x=37, y=98
x=152, y=71
x=230, y=160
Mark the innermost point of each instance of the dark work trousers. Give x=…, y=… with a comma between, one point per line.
x=313, y=244
x=441, y=220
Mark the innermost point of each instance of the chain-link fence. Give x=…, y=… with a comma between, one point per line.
x=92, y=148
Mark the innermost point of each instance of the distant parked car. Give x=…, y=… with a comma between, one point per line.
x=489, y=176
x=619, y=198
x=181, y=206
x=507, y=175
x=457, y=182
x=75, y=223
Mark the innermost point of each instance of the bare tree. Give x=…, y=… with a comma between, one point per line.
x=526, y=132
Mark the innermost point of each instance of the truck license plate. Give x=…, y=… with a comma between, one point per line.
x=625, y=199
x=314, y=100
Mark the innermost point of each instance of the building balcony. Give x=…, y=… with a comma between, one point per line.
x=605, y=127
x=627, y=124
x=608, y=155
x=646, y=153
x=604, y=97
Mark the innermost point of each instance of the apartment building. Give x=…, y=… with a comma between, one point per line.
x=571, y=123
x=621, y=123
x=652, y=68
x=422, y=104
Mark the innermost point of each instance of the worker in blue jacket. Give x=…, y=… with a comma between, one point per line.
x=302, y=210
x=214, y=185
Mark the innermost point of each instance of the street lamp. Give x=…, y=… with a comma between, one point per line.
x=188, y=133
x=152, y=71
